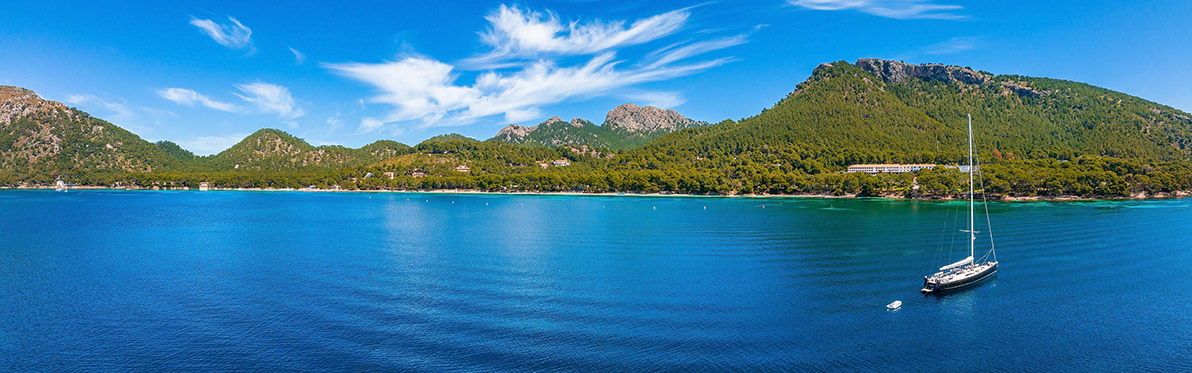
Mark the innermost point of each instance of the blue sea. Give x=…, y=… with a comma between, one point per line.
x=269, y=281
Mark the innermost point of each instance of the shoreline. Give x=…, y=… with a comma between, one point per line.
x=1135, y=197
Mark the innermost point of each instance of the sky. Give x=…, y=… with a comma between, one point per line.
x=207, y=74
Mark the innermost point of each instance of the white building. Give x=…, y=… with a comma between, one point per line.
x=874, y=169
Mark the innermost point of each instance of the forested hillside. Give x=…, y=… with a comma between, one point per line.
x=1034, y=136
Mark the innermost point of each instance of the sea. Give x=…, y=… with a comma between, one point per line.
x=105, y=280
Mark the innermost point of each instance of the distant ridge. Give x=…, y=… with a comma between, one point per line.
x=626, y=126
x=1035, y=137
x=272, y=150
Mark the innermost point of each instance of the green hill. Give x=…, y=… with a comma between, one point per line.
x=276, y=150
x=1030, y=131
x=1034, y=136
x=42, y=140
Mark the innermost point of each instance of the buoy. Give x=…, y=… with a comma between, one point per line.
x=655, y=207
x=705, y=207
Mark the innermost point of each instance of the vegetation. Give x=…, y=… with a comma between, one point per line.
x=1035, y=137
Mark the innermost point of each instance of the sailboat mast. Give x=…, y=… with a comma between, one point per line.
x=971, y=230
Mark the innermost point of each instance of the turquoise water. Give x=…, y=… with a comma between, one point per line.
x=113, y=280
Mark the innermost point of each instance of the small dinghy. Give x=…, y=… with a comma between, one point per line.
x=893, y=306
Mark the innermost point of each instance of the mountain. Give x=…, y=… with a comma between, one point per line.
x=646, y=121
x=275, y=150
x=555, y=132
x=625, y=127
x=41, y=140
x=1034, y=137
x=1037, y=135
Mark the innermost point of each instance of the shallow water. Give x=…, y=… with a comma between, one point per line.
x=113, y=280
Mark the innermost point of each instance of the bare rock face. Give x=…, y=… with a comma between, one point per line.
x=896, y=72
x=16, y=102
x=636, y=119
x=514, y=132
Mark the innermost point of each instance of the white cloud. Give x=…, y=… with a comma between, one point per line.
x=898, y=9
x=234, y=35
x=208, y=145
x=953, y=45
x=517, y=32
x=665, y=100
x=674, y=53
x=299, y=58
x=333, y=122
x=424, y=90
x=270, y=98
x=189, y=98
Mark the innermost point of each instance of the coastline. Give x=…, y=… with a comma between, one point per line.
x=1135, y=197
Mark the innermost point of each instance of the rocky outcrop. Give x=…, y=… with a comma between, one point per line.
x=897, y=72
x=513, y=133
x=627, y=126
x=636, y=119
x=16, y=102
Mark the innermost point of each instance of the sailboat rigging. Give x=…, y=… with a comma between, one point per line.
x=967, y=271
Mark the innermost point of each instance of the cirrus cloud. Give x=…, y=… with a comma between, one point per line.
x=232, y=35
x=264, y=98
x=270, y=98
x=189, y=98
x=898, y=9
x=524, y=72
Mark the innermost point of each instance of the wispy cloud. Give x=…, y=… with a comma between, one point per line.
x=953, y=45
x=425, y=91
x=118, y=111
x=232, y=35
x=208, y=145
x=263, y=98
x=518, y=32
x=270, y=98
x=898, y=9
x=663, y=100
x=299, y=58
x=189, y=98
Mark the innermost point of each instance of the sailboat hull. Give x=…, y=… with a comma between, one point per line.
x=958, y=279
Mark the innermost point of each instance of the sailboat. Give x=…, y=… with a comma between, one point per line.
x=967, y=271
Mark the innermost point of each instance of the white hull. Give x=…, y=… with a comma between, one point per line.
x=958, y=278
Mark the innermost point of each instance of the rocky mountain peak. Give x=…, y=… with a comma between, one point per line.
x=513, y=132
x=16, y=102
x=897, y=72
x=553, y=119
x=576, y=122
x=633, y=118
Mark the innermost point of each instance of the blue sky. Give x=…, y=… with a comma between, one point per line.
x=206, y=74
